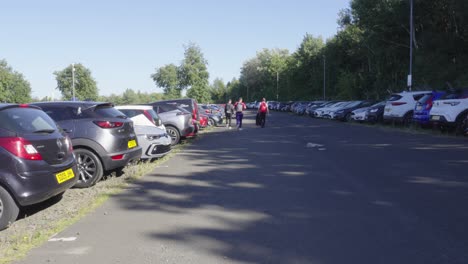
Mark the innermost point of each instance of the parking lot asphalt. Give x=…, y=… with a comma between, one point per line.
x=300, y=190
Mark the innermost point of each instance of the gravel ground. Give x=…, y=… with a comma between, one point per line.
x=39, y=222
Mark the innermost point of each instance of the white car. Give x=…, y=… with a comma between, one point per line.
x=450, y=110
x=360, y=114
x=151, y=133
x=325, y=111
x=400, y=106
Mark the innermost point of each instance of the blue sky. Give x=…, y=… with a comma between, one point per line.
x=123, y=42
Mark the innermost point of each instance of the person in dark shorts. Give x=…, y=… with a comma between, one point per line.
x=229, y=111
x=263, y=111
x=239, y=107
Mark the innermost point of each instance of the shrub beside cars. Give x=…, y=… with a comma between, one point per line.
x=36, y=157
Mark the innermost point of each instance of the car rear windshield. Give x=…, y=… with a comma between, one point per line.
x=394, y=97
x=103, y=111
x=425, y=98
x=26, y=120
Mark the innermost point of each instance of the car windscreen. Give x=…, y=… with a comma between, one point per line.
x=379, y=104
x=26, y=120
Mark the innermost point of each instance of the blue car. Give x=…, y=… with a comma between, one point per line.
x=423, y=107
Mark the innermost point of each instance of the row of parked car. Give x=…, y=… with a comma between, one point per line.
x=443, y=109
x=48, y=147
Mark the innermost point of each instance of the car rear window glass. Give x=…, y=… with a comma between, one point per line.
x=394, y=97
x=425, y=98
x=26, y=120
x=102, y=111
x=418, y=96
x=59, y=113
x=164, y=107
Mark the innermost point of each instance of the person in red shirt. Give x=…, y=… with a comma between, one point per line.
x=263, y=111
x=239, y=106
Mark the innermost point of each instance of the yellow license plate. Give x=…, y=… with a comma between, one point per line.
x=132, y=143
x=64, y=176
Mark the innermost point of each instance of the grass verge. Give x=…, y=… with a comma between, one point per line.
x=51, y=217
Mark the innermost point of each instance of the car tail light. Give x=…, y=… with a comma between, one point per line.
x=108, y=124
x=148, y=115
x=117, y=157
x=20, y=147
x=398, y=103
x=429, y=104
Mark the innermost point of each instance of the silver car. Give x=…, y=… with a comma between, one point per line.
x=178, y=121
x=150, y=131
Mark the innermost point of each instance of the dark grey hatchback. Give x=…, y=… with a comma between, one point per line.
x=36, y=157
x=103, y=138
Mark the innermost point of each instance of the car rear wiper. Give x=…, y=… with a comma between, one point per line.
x=44, y=131
x=122, y=116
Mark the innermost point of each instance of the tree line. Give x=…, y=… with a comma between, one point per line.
x=368, y=58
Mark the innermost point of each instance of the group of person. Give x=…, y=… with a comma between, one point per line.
x=239, y=107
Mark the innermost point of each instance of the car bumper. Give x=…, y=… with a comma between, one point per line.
x=37, y=185
x=128, y=156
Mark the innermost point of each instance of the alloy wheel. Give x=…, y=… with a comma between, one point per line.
x=86, y=167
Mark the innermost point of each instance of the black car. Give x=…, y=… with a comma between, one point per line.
x=344, y=113
x=36, y=158
x=375, y=112
x=103, y=138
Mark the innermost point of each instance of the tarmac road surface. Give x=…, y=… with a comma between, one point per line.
x=300, y=190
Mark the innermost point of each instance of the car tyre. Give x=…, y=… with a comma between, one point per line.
x=174, y=134
x=211, y=122
x=9, y=210
x=461, y=124
x=89, y=168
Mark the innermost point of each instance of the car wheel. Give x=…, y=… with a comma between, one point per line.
x=211, y=122
x=174, y=134
x=89, y=168
x=461, y=124
x=347, y=117
x=9, y=210
x=407, y=119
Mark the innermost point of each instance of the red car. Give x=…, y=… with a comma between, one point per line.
x=203, y=120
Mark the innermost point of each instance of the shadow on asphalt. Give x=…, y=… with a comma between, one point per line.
x=269, y=199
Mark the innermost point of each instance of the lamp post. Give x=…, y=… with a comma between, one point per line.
x=324, y=75
x=73, y=82
x=410, y=81
x=277, y=80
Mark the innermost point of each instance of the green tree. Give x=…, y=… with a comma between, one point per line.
x=193, y=74
x=218, y=91
x=85, y=85
x=14, y=88
x=167, y=78
x=130, y=97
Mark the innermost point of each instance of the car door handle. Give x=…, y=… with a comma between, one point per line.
x=67, y=130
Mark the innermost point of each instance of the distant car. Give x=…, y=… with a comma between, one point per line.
x=375, y=112
x=324, y=112
x=178, y=121
x=423, y=107
x=36, y=158
x=153, y=139
x=213, y=119
x=400, y=106
x=344, y=113
x=103, y=138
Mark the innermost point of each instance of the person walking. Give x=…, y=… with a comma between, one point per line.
x=239, y=107
x=229, y=111
x=263, y=111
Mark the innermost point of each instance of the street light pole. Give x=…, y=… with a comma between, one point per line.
x=324, y=75
x=410, y=77
x=73, y=82
x=277, y=80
